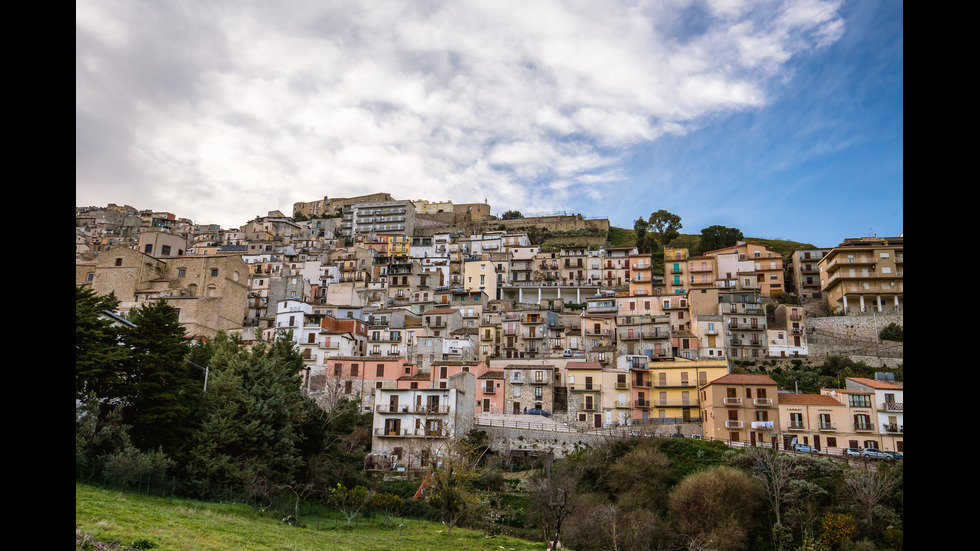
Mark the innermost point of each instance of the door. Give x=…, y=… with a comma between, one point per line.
x=597, y=420
x=517, y=408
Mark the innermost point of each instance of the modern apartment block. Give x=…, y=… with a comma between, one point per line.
x=864, y=275
x=380, y=218
x=889, y=397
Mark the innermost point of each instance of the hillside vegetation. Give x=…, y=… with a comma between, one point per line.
x=111, y=519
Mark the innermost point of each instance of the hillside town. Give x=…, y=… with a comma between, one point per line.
x=439, y=317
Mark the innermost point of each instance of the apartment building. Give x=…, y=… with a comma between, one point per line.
x=584, y=387
x=646, y=335
x=787, y=338
x=639, y=274
x=889, y=399
x=676, y=271
x=745, y=324
x=741, y=408
x=803, y=272
x=674, y=387
x=528, y=386
x=760, y=268
x=379, y=218
x=490, y=392
x=817, y=420
x=412, y=427
x=864, y=275
x=859, y=429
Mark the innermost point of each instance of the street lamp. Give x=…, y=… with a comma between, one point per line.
x=207, y=371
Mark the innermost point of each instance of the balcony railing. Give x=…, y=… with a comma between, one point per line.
x=733, y=401
x=827, y=426
x=795, y=425
x=729, y=424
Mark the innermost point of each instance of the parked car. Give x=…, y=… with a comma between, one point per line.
x=854, y=452
x=875, y=453
x=803, y=448
x=895, y=455
x=538, y=411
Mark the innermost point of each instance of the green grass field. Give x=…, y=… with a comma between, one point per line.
x=182, y=524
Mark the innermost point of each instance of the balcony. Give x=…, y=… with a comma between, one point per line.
x=893, y=428
x=730, y=424
x=827, y=426
x=864, y=427
x=729, y=401
x=762, y=402
x=624, y=404
x=584, y=388
x=795, y=425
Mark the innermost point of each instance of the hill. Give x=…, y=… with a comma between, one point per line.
x=106, y=519
x=622, y=237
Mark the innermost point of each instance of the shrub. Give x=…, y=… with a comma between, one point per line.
x=837, y=528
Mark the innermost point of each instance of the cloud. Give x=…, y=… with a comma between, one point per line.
x=222, y=111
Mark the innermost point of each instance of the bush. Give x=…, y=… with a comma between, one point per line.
x=893, y=332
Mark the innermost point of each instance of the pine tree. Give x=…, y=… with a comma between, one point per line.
x=163, y=391
x=100, y=358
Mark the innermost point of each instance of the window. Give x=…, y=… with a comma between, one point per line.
x=165, y=249
x=214, y=272
x=118, y=262
x=148, y=249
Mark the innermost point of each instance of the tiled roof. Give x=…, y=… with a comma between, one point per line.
x=875, y=383
x=807, y=400
x=744, y=379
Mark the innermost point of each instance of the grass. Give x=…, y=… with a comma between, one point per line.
x=185, y=524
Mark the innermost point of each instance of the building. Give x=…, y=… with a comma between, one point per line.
x=803, y=273
x=412, y=428
x=741, y=408
x=889, y=404
x=817, y=420
x=864, y=275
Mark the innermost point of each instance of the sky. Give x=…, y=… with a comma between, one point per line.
x=781, y=119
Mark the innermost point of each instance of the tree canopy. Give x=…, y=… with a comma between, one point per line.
x=718, y=237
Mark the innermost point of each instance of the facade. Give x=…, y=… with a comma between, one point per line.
x=864, y=275
x=816, y=420
x=413, y=427
x=741, y=408
x=889, y=398
x=803, y=273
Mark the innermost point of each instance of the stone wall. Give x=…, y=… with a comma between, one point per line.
x=561, y=442
x=856, y=337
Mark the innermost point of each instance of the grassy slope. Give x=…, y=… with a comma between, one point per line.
x=621, y=237
x=182, y=524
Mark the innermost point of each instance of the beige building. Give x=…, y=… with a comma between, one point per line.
x=759, y=268
x=528, y=386
x=209, y=292
x=741, y=408
x=480, y=275
x=864, y=275
x=803, y=272
x=816, y=420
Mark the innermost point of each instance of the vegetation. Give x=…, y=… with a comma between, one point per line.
x=893, y=332
x=282, y=473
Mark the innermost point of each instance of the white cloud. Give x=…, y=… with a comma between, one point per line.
x=223, y=108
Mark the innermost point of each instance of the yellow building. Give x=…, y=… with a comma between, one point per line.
x=674, y=387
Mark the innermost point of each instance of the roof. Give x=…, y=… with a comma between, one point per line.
x=440, y=311
x=585, y=365
x=875, y=383
x=492, y=375
x=807, y=400
x=744, y=379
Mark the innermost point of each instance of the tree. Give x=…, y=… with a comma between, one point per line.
x=718, y=237
x=775, y=472
x=349, y=501
x=387, y=503
x=557, y=497
x=511, y=215
x=716, y=505
x=100, y=358
x=867, y=492
x=664, y=227
x=256, y=421
x=450, y=489
x=164, y=391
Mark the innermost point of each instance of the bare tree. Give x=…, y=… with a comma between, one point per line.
x=867, y=491
x=775, y=471
x=558, y=497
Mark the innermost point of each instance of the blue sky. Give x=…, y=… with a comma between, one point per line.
x=783, y=119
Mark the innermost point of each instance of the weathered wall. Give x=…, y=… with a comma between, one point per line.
x=856, y=337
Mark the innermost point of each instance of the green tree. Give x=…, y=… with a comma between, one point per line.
x=511, y=215
x=100, y=358
x=718, y=237
x=164, y=391
x=349, y=501
x=256, y=422
x=664, y=227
